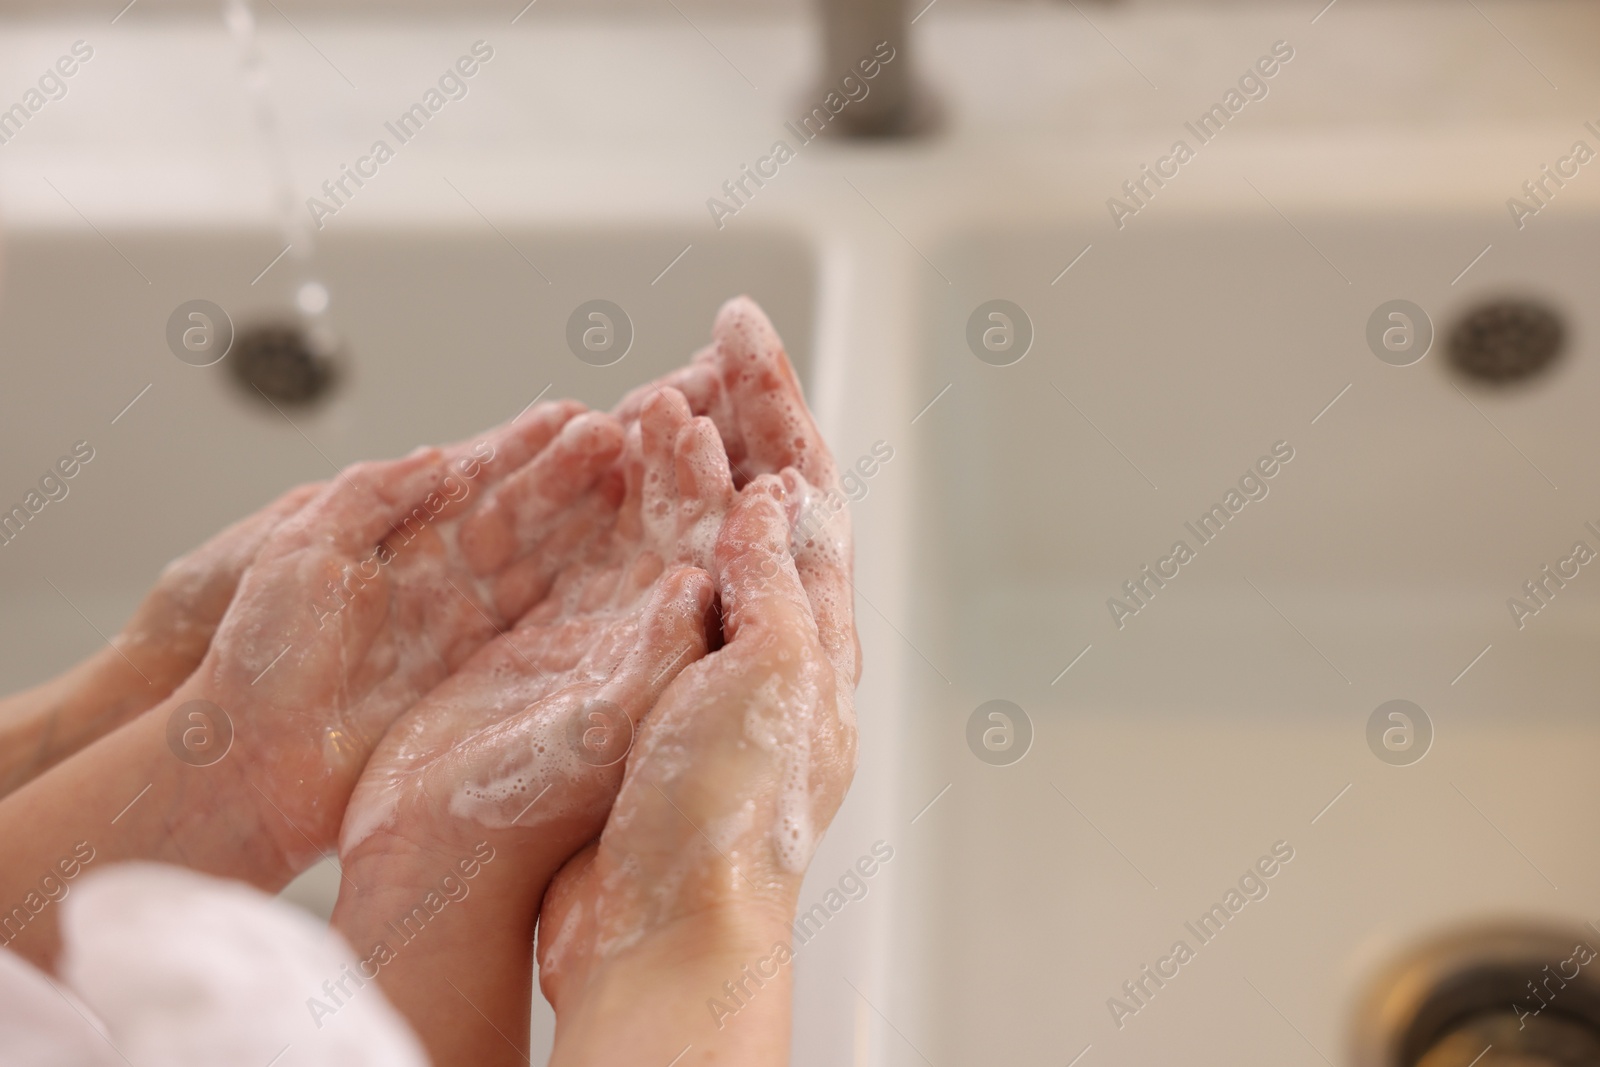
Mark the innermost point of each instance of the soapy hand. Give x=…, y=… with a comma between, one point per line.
x=364, y=600
x=746, y=385
x=172, y=627
x=551, y=706
x=519, y=754
x=744, y=760
x=734, y=776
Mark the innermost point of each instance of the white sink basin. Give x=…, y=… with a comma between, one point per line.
x=1232, y=709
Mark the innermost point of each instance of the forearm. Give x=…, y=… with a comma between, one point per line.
x=155, y=652
x=449, y=938
x=715, y=989
x=46, y=724
x=42, y=726
x=125, y=797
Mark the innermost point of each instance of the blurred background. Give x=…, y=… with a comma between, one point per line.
x=1371, y=270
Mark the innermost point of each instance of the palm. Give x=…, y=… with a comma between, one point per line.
x=769, y=721
x=550, y=706
x=359, y=604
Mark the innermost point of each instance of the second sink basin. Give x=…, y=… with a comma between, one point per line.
x=1221, y=721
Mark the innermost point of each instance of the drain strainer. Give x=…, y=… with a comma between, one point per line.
x=280, y=363
x=1501, y=1039
x=1495, y=996
x=1506, y=340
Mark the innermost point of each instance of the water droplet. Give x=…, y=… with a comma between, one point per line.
x=312, y=299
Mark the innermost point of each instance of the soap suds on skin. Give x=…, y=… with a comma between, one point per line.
x=595, y=609
x=778, y=721
x=792, y=741
x=775, y=828
x=436, y=578
x=726, y=832
x=562, y=940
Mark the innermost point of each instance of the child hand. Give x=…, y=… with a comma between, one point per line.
x=518, y=755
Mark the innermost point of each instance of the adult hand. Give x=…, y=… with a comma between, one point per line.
x=364, y=601
x=746, y=385
x=732, y=780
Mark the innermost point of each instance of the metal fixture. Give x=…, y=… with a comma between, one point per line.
x=895, y=104
x=1507, y=995
x=1506, y=340
x=279, y=363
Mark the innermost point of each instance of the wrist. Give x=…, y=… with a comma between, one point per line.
x=448, y=939
x=717, y=983
x=128, y=797
x=206, y=815
x=42, y=726
x=387, y=876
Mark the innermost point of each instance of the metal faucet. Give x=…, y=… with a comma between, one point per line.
x=896, y=106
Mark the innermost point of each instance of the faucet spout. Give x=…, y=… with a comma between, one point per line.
x=855, y=30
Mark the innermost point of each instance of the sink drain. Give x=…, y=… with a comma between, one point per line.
x=1503, y=996
x=1500, y=1039
x=1506, y=340
x=281, y=364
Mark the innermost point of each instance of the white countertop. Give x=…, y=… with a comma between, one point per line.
x=643, y=118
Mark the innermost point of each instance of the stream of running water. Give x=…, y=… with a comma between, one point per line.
x=308, y=293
